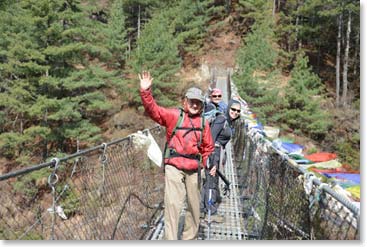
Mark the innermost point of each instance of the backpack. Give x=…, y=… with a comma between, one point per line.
x=211, y=116
x=222, y=106
x=168, y=152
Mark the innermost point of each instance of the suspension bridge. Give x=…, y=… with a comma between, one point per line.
x=114, y=191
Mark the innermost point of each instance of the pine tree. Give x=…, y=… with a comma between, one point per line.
x=255, y=10
x=20, y=63
x=257, y=75
x=189, y=24
x=137, y=13
x=56, y=42
x=303, y=95
x=324, y=29
x=157, y=52
x=116, y=35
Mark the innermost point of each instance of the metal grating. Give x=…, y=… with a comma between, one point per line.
x=232, y=227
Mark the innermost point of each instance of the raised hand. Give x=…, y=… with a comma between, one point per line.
x=145, y=80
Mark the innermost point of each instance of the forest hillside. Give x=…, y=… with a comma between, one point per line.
x=68, y=69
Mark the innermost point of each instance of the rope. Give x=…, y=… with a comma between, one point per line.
x=123, y=209
x=51, y=163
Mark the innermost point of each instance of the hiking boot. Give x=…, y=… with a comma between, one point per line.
x=215, y=218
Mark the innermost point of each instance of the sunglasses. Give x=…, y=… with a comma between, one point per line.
x=236, y=110
x=217, y=96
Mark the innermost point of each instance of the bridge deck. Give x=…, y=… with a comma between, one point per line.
x=232, y=227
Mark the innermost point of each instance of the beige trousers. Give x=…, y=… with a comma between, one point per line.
x=178, y=184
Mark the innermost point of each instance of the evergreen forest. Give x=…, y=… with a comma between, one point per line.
x=68, y=69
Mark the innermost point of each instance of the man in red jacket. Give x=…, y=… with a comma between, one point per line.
x=187, y=152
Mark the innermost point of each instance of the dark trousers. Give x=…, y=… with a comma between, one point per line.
x=211, y=183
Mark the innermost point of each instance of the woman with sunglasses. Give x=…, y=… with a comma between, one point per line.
x=233, y=113
x=220, y=133
x=222, y=129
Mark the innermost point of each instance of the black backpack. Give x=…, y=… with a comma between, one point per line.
x=214, y=114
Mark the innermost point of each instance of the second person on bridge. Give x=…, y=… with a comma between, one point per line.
x=216, y=101
x=189, y=143
x=222, y=129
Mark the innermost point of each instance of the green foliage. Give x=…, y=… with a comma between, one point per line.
x=11, y=143
x=82, y=130
x=255, y=10
x=51, y=81
x=3, y=5
x=349, y=150
x=302, y=77
x=54, y=58
x=157, y=52
x=313, y=23
x=312, y=150
x=70, y=200
x=256, y=74
x=189, y=24
x=2, y=119
x=133, y=9
x=26, y=185
x=267, y=107
x=303, y=112
x=299, y=108
x=116, y=34
x=33, y=236
x=258, y=52
x=356, y=105
x=24, y=159
x=348, y=154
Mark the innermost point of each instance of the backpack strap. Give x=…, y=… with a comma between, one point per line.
x=202, y=129
x=172, y=153
x=178, y=124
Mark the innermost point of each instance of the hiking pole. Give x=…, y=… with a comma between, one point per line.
x=210, y=202
x=226, y=182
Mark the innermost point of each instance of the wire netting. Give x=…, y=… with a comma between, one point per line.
x=112, y=192
x=276, y=203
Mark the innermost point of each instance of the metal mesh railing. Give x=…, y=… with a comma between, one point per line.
x=280, y=201
x=107, y=192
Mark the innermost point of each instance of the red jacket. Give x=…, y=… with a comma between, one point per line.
x=187, y=144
